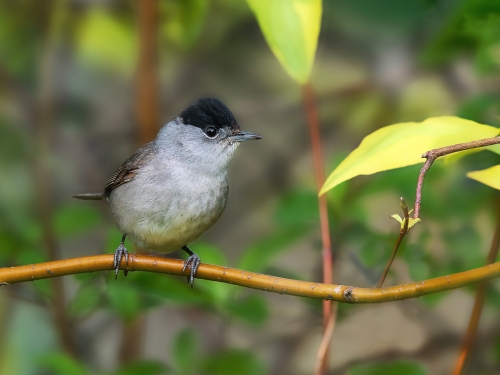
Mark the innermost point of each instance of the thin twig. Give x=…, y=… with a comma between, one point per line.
x=319, y=172
x=402, y=233
x=437, y=153
x=340, y=293
x=325, y=342
x=470, y=336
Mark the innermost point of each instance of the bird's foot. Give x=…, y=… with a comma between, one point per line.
x=193, y=262
x=119, y=253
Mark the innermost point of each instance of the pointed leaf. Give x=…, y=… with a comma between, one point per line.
x=400, y=145
x=489, y=176
x=291, y=29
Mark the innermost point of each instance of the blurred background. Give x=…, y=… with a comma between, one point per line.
x=84, y=83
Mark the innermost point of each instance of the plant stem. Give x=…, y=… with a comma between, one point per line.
x=470, y=336
x=147, y=73
x=402, y=233
x=319, y=173
x=340, y=293
x=44, y=128
x=437, y=153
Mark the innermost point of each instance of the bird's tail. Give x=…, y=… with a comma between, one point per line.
x=89, y=196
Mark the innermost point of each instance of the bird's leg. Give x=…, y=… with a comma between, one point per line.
x=119, y=253
x=194, y=262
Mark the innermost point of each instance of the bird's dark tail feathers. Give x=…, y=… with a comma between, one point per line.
x=90, y=196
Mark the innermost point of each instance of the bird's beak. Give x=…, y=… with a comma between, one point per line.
x=244, y=136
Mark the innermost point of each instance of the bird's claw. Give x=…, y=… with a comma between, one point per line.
x=193, y=262
x=119, y=253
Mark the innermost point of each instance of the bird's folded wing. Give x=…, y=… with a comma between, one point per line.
x=129, y=168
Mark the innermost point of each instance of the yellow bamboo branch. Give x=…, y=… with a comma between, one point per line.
x=340, y=293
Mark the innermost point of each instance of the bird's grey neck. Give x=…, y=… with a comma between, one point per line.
x=176, y=142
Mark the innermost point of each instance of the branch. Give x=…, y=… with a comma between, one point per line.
x=470, y=336
x=319, y=171
x=402, y=233
x=340, y=293
x=437, y=153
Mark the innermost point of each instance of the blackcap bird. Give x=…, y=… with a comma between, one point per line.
x=171, y=190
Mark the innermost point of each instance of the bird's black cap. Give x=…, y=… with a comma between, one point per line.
x=209, y=111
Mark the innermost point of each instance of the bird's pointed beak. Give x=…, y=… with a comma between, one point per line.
x=244, y=136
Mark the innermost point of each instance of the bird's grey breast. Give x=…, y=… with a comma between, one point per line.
x=168, y=203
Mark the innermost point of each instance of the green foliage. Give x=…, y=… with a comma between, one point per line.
x=61, y=364
x=75, y=219
x=186, y=351
x=392, y=368
x=107, y=42
x=226, y=362
x=124, y=300
x=298, y=208
x=143, y=368
x=258, y=256
x=401, y=145
x=184, y=20
x=252, y=309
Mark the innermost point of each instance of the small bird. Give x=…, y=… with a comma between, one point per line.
x=171, y=190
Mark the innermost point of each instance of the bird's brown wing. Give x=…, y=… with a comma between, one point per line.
x=129, y=168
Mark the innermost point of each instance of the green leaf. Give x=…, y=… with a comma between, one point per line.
x=403, y=144
x=85, y=300
x=124, y=299
x=391, y=368
x=234, y=362
x=74, y=219
x=107, y=43
x=59, y=363
x=259, y=255
x=145, y=367
x=291, y=29
x=253, y=309
x=489, y=176
x=212, y=255
x=186, y=351
x=183, y=20
x=298, y=208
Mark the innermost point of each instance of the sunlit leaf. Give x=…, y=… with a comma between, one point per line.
x=489, y=176
x=291, y=29
x=107, y=43
x=400, y=145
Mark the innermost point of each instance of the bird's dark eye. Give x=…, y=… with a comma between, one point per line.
x=211, y=131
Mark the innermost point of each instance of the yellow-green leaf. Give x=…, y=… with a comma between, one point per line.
x=400, y=145
x=489, y=176
x=291, y=29
x=105, y=42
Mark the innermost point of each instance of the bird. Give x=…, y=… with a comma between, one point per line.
x=174, y=188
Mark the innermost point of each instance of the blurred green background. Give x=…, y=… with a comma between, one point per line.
x=71, y=112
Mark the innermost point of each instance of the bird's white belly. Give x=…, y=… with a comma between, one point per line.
x=164, y=220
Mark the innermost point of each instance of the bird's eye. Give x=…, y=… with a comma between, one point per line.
x=211, y=131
